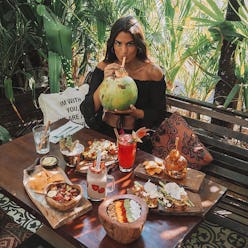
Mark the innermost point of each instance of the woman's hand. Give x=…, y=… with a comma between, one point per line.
x=109, y=70
x=133, y=111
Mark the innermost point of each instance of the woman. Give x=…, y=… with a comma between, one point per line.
x=127, y=40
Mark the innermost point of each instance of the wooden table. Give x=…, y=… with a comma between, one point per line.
x=161, y=231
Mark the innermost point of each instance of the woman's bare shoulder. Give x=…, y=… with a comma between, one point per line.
x=154, y=72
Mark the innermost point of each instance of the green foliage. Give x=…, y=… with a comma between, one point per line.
x=184, y=37
x=4, y=135
x=17, y=38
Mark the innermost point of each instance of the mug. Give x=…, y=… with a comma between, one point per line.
x=97, y=180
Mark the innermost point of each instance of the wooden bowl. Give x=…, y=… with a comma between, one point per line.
x=59, y=201
x=124, y=233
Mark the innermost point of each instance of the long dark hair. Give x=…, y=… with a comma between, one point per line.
x=130, y=25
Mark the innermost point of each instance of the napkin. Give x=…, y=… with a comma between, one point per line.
x=67, y=129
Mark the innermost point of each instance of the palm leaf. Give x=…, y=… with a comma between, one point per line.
x=54, y=73
x=217, y=16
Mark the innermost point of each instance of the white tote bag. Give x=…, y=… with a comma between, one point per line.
x=65, y=104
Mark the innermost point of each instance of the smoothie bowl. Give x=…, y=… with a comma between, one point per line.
x=123, y=217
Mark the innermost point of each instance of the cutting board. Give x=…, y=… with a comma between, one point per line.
x=194, y=210
x=197, y=209
x=192, y=181
x=54, y=217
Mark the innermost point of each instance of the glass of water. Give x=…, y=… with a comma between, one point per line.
x=41, y=138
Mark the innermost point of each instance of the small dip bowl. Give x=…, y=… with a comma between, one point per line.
x=123, y=226
x=49, y=161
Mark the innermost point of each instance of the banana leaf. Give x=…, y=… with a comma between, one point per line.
x=101, y=29
x=54, y=73
x=231, y=95
x=59, y=37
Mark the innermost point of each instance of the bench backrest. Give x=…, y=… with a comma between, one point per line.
x=228, y=146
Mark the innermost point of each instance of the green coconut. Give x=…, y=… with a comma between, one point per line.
x=118, y=93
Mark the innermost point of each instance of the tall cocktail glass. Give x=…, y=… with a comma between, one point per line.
x=126, y=152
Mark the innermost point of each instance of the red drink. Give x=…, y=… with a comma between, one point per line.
x=126, y=152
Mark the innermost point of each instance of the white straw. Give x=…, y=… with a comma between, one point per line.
x=98, y=159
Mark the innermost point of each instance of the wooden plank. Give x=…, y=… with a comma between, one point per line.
x=209, y=112
x=229, y=162
x=216, y=130
x=239, y=205
x=240, y=214
x=220, y=172
x=207, y=105
x=228, y=214
x=214, y=142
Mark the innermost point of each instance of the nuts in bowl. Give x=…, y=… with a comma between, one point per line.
x=123, y=214
x=63, y=196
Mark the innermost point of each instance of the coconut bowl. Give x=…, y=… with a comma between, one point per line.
x=56, y=193
x=126, y=232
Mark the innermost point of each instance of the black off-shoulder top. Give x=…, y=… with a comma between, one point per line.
x=151, y=99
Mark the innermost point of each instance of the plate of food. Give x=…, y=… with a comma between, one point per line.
x=109, y=154
x=58, y=199
x=155, y=170
x=108, y=150
x=168, y=198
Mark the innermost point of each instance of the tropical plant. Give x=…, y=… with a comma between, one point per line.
x=18, y=40
x=4, y=135
x=231, y=37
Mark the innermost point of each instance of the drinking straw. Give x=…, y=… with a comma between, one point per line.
x=176, y=142
x=98, y=159
x=43, y=138
x=116, y=133
x=123, y=62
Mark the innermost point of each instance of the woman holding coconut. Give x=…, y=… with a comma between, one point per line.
x=127, y=54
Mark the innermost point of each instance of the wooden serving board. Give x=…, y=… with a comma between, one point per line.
x=192, y=181
x=55, y=218
x=197, y=209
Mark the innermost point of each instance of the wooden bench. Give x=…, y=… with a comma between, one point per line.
x=229, y=149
